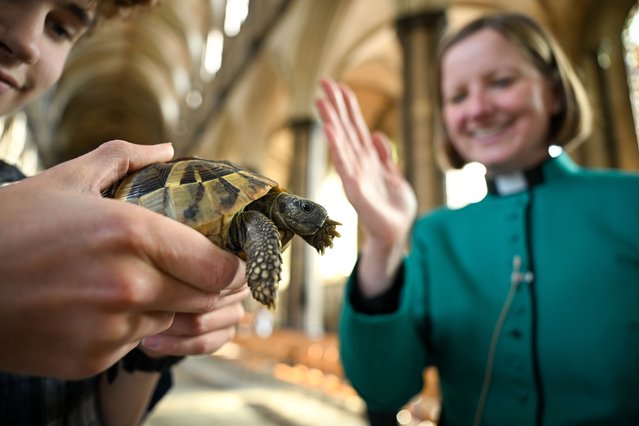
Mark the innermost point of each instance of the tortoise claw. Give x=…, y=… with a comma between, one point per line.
x=265, y=293
x=323, y=238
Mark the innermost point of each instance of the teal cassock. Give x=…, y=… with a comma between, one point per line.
x=567, y=348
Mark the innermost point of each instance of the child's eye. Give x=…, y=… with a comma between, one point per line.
x=60, y=31
x=67, y=24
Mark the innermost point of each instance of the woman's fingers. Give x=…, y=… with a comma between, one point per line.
x=355, y=117
x=383, y=148
x=343, y=138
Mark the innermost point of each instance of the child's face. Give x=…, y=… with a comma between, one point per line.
x=35, y=39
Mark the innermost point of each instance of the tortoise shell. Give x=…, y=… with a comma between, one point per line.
x=237, y=209
x=202, y=194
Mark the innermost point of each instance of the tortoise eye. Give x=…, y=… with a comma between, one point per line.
x=306, y=207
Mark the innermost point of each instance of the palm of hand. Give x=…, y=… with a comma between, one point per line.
x=385, y=201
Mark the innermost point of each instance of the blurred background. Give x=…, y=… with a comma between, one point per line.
x=237, y=80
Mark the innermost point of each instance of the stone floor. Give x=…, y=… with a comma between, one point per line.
x=212, y=391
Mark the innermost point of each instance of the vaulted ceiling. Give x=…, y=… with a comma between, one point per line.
x=146, y=80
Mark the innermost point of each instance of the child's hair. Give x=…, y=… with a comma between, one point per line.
x=106, y=9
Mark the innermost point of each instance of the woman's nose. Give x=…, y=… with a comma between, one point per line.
x=479, y=103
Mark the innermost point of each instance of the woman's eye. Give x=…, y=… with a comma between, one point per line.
x=455, y=98
x=503, y=82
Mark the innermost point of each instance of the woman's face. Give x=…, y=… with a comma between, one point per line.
x=35, y=39
x=496, y=104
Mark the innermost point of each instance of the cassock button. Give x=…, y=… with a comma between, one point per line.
x=516, y=364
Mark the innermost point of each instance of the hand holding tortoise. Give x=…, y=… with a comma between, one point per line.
x=84, y=278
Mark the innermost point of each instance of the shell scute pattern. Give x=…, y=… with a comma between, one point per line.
x=153, y=179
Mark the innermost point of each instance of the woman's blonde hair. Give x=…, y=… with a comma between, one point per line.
x=572, y=124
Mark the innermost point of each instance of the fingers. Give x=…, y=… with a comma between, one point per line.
x=189, y=287
x=189, y=256
x=350, y=140
x=347, y=112
x=102, y=167
x=335, y=96
x=117, y=158
x=232, y=295
x=199, y=334
x=156, y=263
x=225, y=315
x=150, y=323
x=170, y=294
x=356, y=119
x=118, y=335
x=181, y=346
x=383, y=147
x=341, y=145
x=342, y=155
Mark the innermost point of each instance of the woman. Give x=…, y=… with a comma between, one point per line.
x=83, y=279
x=527, y=302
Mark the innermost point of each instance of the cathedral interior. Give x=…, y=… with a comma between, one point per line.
x=238, y=80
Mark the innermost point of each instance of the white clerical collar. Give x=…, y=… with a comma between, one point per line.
x=512, y=183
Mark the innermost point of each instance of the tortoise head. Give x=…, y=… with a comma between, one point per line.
x=300, y=215
x=291, y=212
x=307, y=219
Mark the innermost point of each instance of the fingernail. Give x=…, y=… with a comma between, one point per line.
x=150, y=342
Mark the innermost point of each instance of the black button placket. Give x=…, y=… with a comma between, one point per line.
x=517, y=335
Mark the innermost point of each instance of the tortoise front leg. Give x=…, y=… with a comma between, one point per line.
x=323, y=238
x=256, y=235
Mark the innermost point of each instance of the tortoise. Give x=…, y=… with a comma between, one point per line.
x=239, y=210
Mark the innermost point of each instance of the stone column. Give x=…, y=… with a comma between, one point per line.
x=304, y=300
x=419, y=32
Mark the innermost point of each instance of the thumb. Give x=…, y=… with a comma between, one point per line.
x=99, y=169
